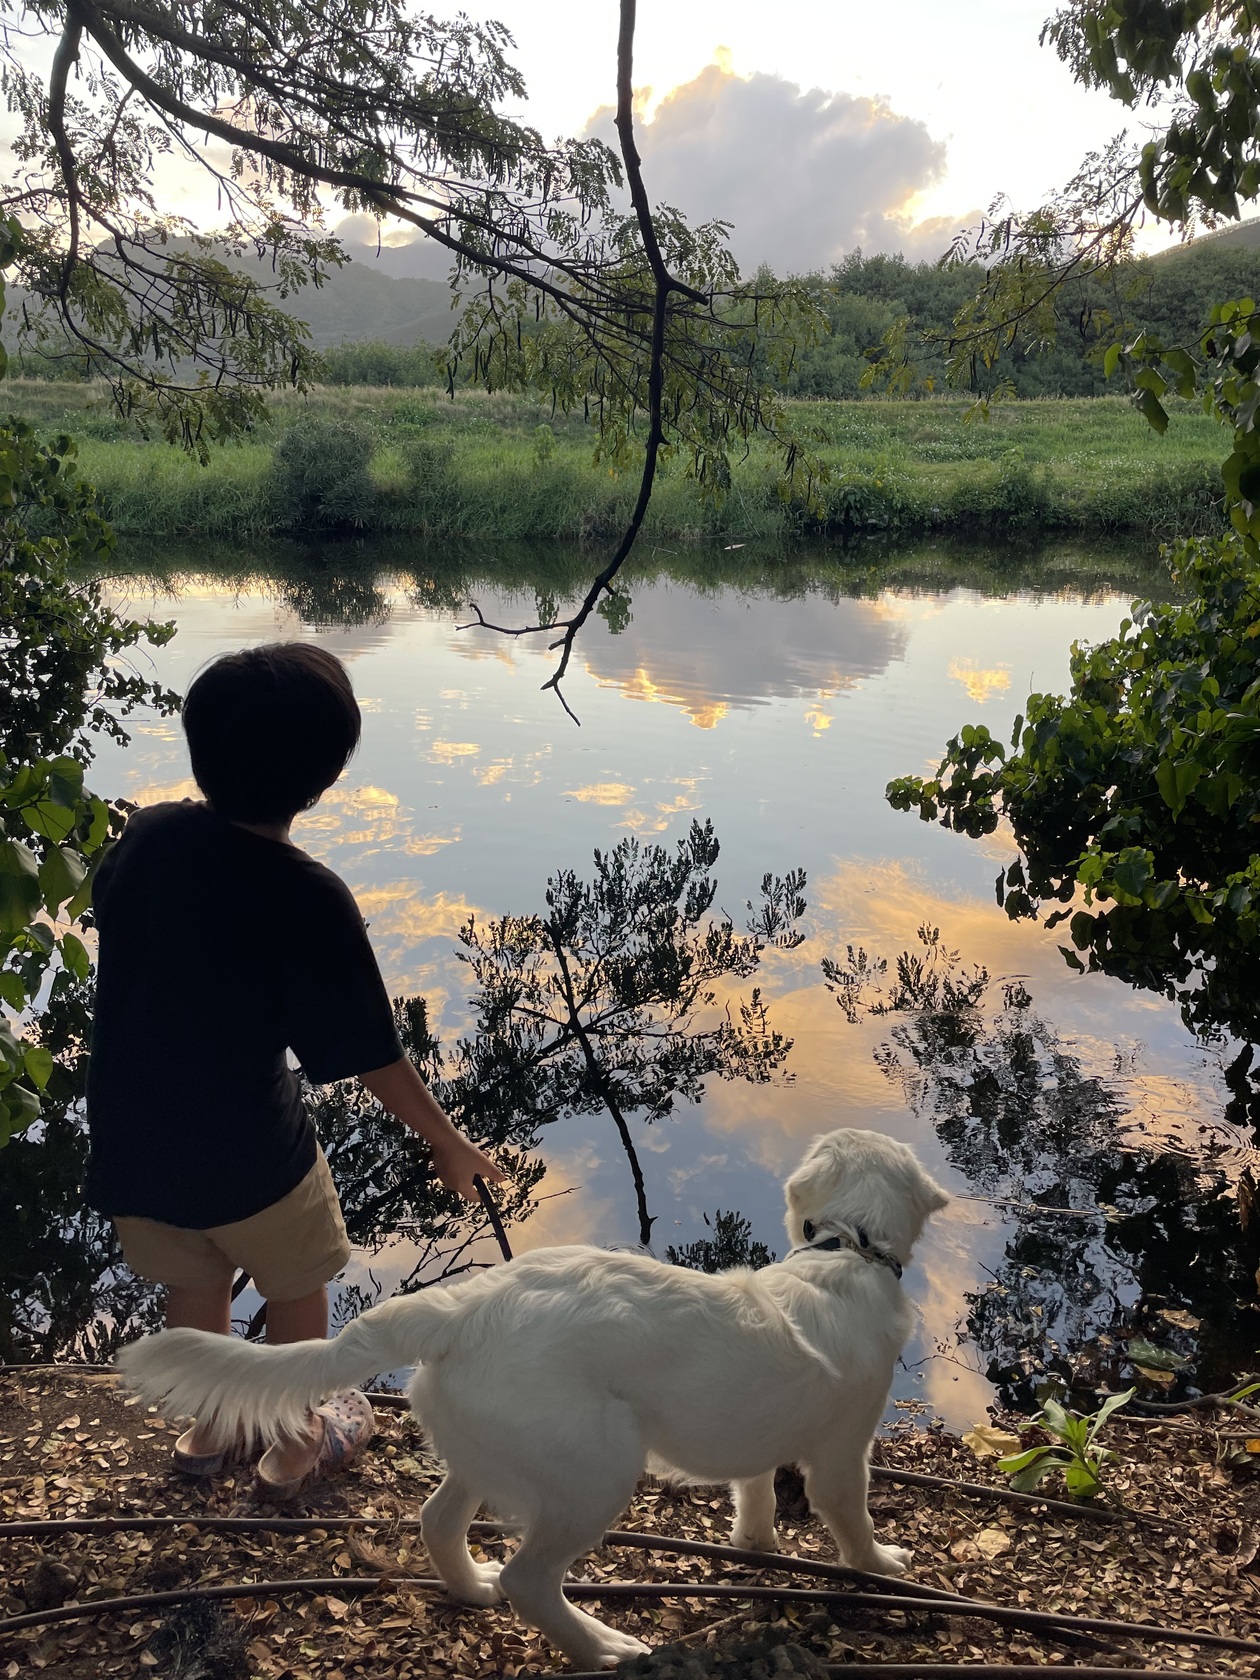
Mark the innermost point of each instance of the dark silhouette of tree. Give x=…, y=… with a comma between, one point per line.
x=732, y=1244
x=1108, y=1233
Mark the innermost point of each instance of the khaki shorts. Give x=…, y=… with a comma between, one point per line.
x=289, y=1249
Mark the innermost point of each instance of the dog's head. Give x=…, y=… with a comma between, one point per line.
x=857, y=1180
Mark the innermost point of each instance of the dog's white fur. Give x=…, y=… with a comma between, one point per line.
x=549, y=1383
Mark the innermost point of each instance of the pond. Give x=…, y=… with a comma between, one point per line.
x=1081, y=1129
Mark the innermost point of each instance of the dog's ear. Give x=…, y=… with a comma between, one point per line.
x=934, y=1197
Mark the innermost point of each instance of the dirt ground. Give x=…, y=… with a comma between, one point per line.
x=72, y=1446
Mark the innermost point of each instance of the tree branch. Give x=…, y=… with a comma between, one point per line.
x=601, y=1083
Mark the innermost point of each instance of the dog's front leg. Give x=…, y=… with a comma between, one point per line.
x=836, y=1488
x=753, y=1529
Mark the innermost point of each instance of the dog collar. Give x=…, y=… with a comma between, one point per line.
x=860, y=1244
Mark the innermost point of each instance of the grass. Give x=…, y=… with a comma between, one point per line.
x=506, y=468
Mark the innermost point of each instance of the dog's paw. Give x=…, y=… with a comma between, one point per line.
x=617, y=1648
x=745, y=1541
x=889, y=1560
x=482, y=1587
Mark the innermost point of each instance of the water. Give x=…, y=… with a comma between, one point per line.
x=776, y=703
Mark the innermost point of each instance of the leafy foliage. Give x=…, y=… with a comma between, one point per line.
x=732, y=1244
x=381, y=109
x=1075, y=1450
x=319, y=475
x=64, y=1292
x=1141, y=788
x=63, y=681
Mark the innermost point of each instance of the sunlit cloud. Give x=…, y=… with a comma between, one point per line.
x=160, y=793
x=425, y=845
x=981, y=682
x=716, y=147
x=602, y=793
x=400, y=911
x=818, y=720
x=446, y=752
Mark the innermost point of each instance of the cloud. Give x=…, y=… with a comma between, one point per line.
x=803, y=175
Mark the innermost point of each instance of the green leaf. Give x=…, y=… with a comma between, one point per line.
x=75, y=956
x=1142, y=1352
x=50, y=819
x=1081, y=1481
x=19, y=1108
x=20, y=897
x=61, y=875
x=1026, y=1480
x=39, y=1063
x=1020, y=1461
x=1152, y=410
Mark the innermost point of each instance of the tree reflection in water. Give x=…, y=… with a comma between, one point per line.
x=606, y=1004
x=1110, y=1235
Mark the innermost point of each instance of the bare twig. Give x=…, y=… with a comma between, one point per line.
x=664, y=284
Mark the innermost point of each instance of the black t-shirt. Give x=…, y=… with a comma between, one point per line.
x=219, y=950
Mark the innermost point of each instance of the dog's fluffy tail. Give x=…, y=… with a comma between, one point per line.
x=253, y=1391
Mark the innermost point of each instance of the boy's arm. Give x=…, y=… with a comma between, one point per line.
x=400, y=1089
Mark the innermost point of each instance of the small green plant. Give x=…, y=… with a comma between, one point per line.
x=1075, y=1451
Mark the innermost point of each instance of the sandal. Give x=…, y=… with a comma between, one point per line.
x=348, y=1424
x=202, y=1464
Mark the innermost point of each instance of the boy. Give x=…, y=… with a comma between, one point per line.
x=222, y=946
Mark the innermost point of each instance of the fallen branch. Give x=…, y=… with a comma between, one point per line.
x=1042, y=1621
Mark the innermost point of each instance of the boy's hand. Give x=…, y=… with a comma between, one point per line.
x=456, y=1161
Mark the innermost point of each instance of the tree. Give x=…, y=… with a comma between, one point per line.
x=609, y=1003
x=63, y=681
x=640, y=319
x=732, y=1244
x=1139, y=792
x=1194, y=65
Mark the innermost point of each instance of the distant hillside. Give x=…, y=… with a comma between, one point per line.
x=1241, y=236
x=358, y=302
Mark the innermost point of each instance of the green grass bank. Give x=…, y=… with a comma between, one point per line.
x=418, y=464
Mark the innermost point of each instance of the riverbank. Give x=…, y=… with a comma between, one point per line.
x=388, y=461
x=1181, y=1555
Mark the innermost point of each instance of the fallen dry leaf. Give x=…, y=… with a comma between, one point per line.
x=987, y=1442
x=1163, y=1378
x=1183, y=1320
x=992, y=1542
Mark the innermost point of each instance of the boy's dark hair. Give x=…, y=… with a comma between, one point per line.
x=269, y=729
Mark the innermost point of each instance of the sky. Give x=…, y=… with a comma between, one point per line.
x=814, y=126
x=817, y=125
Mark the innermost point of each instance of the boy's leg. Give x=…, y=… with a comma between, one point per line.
x=304, y=1320
x=204, y=1307
x=200, y=1307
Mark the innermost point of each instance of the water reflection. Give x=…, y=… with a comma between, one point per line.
x=472, y=788
x=1107, y=1240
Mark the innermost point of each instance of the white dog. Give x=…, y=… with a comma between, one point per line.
x=548, y=1384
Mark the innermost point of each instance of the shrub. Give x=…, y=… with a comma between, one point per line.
x=319, y=475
